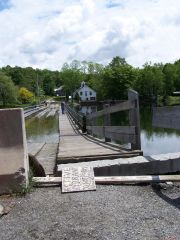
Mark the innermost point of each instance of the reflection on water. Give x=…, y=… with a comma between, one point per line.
x=43, y=129
x=87, y=109
x=157, y=140
x=153, y=140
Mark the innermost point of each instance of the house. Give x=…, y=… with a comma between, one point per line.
x=85, y=93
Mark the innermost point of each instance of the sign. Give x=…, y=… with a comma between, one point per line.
x=77, y=179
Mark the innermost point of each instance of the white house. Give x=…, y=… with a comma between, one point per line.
x=85, y=93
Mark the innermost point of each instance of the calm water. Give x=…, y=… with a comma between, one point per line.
x=153, y=140
x=43, y=129
x=157, y=140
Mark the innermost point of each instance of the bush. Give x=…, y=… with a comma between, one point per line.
x=25, y=95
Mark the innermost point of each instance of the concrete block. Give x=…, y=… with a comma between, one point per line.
x=13, y=150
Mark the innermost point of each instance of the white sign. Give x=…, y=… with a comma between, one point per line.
x=77, y=179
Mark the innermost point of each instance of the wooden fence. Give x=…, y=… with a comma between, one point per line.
x=124, y=134
x=167, y=117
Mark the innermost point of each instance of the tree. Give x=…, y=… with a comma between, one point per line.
x=149, y=82
x=169, y=71
x=71, y=76
x=25, y=95
x=118, y=77
x=8, y=91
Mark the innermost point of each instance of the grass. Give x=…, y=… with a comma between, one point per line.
x=174, y=100
x=22, y=190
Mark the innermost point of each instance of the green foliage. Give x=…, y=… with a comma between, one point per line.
x=8, y=91
x=25, y=95
x=110, y=82
x=71, y=77
x=117, y=79
x=149, y=82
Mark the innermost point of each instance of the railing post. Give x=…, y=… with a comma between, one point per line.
x=107, y=121
x=134, y=118
x=84, y=124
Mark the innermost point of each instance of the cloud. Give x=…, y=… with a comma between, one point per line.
x=46, y=34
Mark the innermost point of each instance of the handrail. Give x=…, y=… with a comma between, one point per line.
x=126, y=134
x=79, y=119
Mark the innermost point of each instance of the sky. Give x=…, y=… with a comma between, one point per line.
x=47, y=33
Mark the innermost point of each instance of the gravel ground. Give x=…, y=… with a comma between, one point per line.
x=110, y=212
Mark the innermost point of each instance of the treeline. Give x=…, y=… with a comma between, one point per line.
x=26, y=85
x=111, y=82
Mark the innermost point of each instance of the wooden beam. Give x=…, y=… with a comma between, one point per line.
x=124, y=106
x=114, y=179
x=126, y=134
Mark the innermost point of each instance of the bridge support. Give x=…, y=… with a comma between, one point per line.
x=13, y=151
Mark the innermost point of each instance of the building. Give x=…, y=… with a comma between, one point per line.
x=60, y=91
x=85, y=93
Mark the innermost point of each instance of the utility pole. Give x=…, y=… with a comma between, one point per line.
x=37, y=83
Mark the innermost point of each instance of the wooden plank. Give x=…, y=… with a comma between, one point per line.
x=125, y=134
x=113, y=179
x=166, y=117
x=134, y=118
x=123, y=138
x=96, y=130
x=122, y=133
x=124, y=106
x=107, y=121
x=77, y=179
x=120, y=129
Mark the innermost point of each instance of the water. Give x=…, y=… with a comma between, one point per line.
x=157, y=140
x=153, y=140
x=42, y=129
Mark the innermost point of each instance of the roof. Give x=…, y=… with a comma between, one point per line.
x=59, y=89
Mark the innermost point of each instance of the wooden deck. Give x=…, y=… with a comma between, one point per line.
x=77, y=147
x=45, y=153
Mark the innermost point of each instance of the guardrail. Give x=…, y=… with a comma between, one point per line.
x=125, y=134
x=79, y=119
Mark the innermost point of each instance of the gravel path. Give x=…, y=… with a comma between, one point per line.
x=111, y=212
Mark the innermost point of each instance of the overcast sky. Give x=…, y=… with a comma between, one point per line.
x=47, y=33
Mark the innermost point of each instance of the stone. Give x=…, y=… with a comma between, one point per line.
x=1, y=210
x=13, y=151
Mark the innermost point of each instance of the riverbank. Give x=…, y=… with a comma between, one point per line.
x=110, y=212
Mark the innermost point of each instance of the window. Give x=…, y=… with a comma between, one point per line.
x=90, y=93
x=81, y=93
x=92, y=98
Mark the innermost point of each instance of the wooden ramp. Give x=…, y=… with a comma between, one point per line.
x=45, y=153
x=76, y=147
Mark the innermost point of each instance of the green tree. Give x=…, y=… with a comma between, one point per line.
x=8, y=91
x=117, y=79
x=149, y=82
x=169, y=71
x=71, y=77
